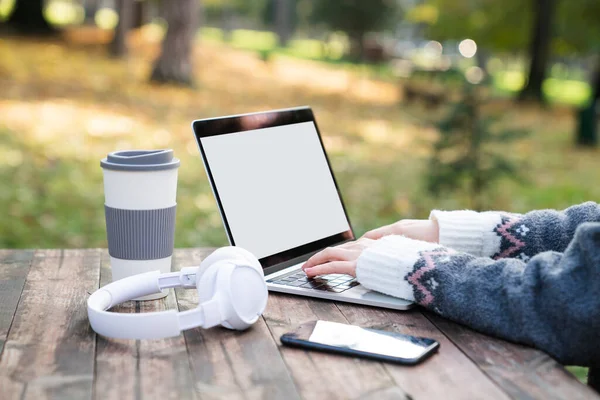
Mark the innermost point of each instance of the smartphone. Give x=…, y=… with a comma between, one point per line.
x=355, y=341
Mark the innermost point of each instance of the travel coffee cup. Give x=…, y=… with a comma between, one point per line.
x=140, y=189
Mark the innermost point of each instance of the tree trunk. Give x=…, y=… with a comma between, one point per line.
x=539, y=50
x=118, y=46
x=356, y=46
x=283, y=24
x=482, y=58
x=90, y=7
x=175, y=63
x=28, y=18
x=140, y=13
x=587, y=128
x=226, y=21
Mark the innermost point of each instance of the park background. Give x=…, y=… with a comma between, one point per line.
x=422, y=104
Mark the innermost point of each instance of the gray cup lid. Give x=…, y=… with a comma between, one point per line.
x=140, y=160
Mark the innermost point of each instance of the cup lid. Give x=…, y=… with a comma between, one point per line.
x=140, y=160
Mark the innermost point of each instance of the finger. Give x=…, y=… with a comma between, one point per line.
x=329, y=254
x=410, y=221
x=333, y=267
x=380, y=232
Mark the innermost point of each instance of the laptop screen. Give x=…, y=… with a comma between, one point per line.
x=275, y=188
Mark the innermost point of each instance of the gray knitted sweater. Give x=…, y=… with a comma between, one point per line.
x=532, y=278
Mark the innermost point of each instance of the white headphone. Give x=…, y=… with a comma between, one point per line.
x=231, y=292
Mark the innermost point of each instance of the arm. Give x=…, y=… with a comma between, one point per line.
x=502, y=235
x=551, y=302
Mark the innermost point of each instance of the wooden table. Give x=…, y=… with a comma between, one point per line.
x=48, y=350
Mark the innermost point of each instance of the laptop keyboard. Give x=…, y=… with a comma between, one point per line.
x=336, y=283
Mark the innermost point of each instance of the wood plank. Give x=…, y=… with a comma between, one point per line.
x=14, y=267
x=49, y=352
x=230, y=364
x=320, y=375
x=141, y=368
x=521, y=371
x=447, y=374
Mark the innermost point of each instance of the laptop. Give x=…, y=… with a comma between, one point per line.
x=279, y=199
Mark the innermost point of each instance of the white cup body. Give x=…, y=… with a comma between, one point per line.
x=140, y=190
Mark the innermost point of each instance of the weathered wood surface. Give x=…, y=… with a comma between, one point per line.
x=229, y=364
x=15, y=267
x=127, y=369
x=49, y=350
x=449, y=371
x=521, y=371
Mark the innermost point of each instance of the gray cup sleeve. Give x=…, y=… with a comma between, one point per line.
x=140, y=234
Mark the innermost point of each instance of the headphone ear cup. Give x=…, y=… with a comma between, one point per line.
x=250, y=258
x=230, y=253
x=244, y=294
x=206, y=281
x=206, y=277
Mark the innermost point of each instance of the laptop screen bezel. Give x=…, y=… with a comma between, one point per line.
x=247, y=122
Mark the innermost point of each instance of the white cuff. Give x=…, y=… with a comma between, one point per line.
x=383, y=266
x=468, y=231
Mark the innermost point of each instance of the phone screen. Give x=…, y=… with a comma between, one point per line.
x=356, y=341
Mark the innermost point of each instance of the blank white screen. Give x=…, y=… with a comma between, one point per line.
x=275, y=187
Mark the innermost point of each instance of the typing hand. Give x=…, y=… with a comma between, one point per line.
x=337, y=260
x=418, y=229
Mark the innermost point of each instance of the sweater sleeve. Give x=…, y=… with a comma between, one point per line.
x=504, y=235
x=552, y=302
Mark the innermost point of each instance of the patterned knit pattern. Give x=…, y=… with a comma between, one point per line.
x=532, y=278
x=511, y=231
x=422, y=278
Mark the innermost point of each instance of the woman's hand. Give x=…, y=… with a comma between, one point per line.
x=342, y=259
x=418, y=229
x=337, y=260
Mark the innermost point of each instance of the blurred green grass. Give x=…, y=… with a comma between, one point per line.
x=579, y=372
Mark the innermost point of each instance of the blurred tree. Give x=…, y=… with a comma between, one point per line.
x=539, y=50
x=493, y=26
x=227, y=13
x=587, y=127
x=281, y=15
x=175, y=62
x=483, y=21
x=28, y=18
x=464, y=153
x=125, y=9
x=283, y=24
x=355, y=18
x=227, y=18
x=90, y=7
x=508, y=26
x=577, y=26
x=141, y=12
x=579, y=29
x=132, y=14
x=511, y=27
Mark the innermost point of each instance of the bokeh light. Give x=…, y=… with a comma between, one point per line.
x=106, y=18
x=467, y=48
x=474, y=75
x=434, y=47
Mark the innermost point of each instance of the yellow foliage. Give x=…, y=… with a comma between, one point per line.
x=423, y=13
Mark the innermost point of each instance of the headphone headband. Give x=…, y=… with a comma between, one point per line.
x=154, y=325
x=215, y=273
